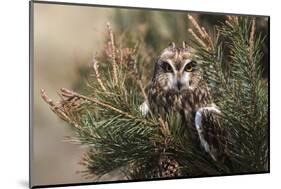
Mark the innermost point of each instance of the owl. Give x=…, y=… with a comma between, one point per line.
x=178, y=86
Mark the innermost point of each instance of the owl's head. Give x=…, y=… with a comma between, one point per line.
x=177, y=69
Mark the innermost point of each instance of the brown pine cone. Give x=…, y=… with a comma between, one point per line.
x=169, y=167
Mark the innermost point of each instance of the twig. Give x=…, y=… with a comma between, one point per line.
x=164, y=127
x=251, y=40
x=196, y=25
x=228, y=23
x=208, y=38
x=67, y=92
x=96, y=69
x=203, y=33
x=56, y=109
x=113, y=55
x=196, y=37
x=92, y=99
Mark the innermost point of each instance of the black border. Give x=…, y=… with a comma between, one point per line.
x=31, y=50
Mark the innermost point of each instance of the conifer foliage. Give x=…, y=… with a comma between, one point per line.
x=107, y=120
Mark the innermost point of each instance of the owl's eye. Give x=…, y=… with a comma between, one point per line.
x=189, y=67
x=166, y=67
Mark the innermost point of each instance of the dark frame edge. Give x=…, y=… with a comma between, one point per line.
x=268, y=94
x=31, y=40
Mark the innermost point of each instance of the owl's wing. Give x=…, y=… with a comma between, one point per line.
x=211, y=135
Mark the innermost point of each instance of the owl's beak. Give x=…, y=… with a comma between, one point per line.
x=179, y=85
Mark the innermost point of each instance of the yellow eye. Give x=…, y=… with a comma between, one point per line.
x=188, y=68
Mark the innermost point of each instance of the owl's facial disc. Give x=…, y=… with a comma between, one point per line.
x=182, y=82
x=184, y=75
x=176, y=76
x=175, y=70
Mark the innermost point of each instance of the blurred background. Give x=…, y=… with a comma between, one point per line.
x=65, y=39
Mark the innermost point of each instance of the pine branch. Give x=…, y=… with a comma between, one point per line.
x=107, y=119
x=242, y=94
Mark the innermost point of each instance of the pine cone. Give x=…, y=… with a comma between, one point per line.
x=169, y=167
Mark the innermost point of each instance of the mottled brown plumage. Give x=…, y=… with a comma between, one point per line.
x=177, y=85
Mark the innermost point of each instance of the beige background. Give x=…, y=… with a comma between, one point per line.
x=64, y=38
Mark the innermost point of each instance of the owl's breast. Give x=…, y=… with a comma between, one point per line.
x=186, y=102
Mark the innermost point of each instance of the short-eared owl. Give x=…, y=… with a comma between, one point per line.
x=177, y=85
